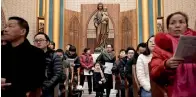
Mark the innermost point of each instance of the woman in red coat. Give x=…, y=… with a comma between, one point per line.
x=178, y=76
x=86, y=61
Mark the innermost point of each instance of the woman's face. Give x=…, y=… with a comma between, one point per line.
x=130, y=53
x=88, y=52
x=151, y=44
x=177, y=25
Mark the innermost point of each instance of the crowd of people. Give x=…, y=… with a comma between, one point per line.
x=28, y=69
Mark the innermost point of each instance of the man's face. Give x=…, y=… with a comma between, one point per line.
x=41, y=42
x=141, y=50
x=13, y=31
x=109, y=48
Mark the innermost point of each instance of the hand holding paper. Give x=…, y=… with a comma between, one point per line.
x=174, y=62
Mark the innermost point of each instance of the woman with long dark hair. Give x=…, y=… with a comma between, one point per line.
x=142, y=70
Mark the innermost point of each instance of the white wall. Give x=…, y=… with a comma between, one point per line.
x=22, y=8
x=187, y=6
x=124, y=4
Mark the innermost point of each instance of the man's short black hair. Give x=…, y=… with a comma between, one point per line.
x=59, y=50
x=45, y=35
x=72, y=48
x=143, y=45
x=130, y=48
x=22, y=22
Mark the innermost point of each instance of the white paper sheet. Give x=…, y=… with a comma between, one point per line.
x=108, y=69
x=186, y=47
x=71, y=61
x=86, y=72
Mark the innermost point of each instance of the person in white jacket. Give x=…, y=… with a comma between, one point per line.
x=142, y=69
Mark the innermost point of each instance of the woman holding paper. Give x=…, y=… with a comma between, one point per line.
x=86, y=61
x=170, y=72
x=107, y=59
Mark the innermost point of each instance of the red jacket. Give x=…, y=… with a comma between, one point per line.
x=180, y=81
x=86, y=63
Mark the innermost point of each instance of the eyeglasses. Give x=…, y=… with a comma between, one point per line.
x=130, y=52
x=36, y=41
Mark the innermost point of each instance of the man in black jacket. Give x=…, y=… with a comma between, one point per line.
x=23, y=65
x=54, y=67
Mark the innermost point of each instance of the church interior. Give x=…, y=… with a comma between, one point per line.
x=71, y=21
x=127, y=24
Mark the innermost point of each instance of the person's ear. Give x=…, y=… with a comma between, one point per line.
x=23, y=32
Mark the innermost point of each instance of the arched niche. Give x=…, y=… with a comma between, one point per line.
x=91, y=32
x=74, y=30
x=126, y=32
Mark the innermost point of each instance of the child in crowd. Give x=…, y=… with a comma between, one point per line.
x=98, y=80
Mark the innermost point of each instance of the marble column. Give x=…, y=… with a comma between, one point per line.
x=46, y=17
x=56, y=22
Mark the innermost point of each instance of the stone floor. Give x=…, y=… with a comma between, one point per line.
x=85, y=94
